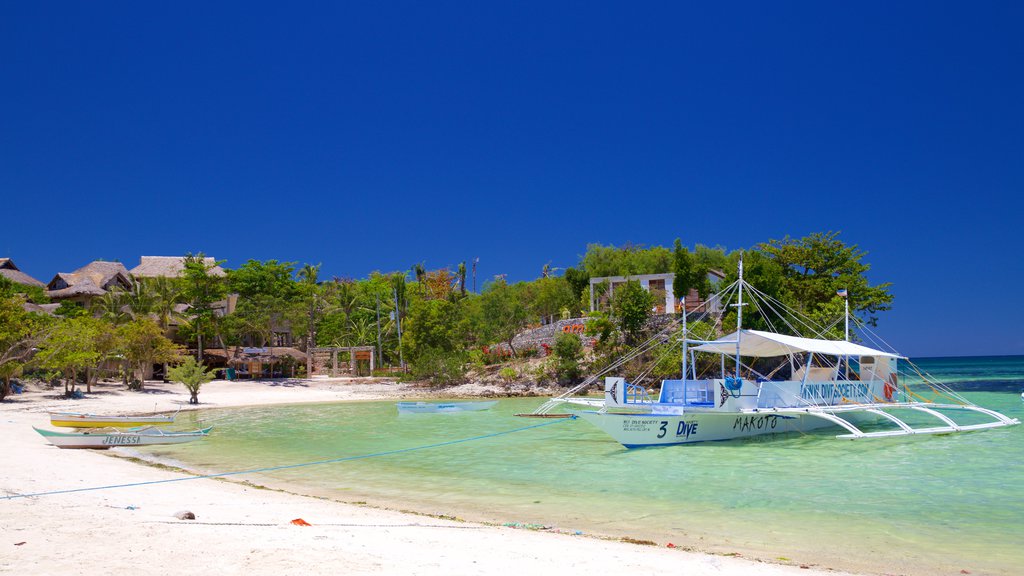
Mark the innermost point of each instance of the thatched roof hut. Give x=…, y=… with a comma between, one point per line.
x=169, y=267
x=10, y=271
x=93, y=279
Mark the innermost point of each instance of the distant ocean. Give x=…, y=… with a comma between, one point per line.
x=924, y=505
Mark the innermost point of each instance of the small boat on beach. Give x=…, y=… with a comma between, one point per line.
x=99, y=440
x=442, y=407
x=80, y=420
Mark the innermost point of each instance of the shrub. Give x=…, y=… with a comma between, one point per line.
x=508, y=374
x=568, y=351
x=193, y=375
x=440, y=367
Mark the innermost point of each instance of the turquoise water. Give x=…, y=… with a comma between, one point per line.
x=922, y=505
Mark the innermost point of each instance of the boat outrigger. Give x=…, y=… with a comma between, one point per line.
x=755, y=382
x=443, y=407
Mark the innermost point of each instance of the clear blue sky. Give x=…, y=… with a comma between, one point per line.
x=374, y=135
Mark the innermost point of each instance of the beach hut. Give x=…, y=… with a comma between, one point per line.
x=11, y=272
x=88, y=282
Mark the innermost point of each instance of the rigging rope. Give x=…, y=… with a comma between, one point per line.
x=289, y=466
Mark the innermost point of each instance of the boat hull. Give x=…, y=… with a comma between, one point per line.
x=75, y=420
x=640, y=430
x=105, y=441
x=443, y=407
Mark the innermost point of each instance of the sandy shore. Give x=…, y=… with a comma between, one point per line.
x=244, y=530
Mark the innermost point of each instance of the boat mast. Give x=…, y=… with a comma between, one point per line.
x=682, y=303
x=739, y=317
x=846, y=316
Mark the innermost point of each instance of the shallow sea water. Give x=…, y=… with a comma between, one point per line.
x=924, y=505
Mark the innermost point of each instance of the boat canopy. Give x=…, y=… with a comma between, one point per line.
x=768, y=344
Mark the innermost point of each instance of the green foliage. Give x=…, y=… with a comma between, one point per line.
x=508, y=374
x=440, y=367
x=568, y=350
x=579, y=282
x=600, y=325
x=20, y=333
x=631, y=306
x=268, y=298
x=628, y=260
x=503, y=311
x=193, y=375
x=73, y=345
x=200, y=289
x=813, y=268
x=547, y=297
x=690, y=273
x=142, y=342
x=34, y=294
x=68, y=309
x=431, y=328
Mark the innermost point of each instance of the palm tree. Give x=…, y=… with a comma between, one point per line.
x=112, y=306
x=420, y=272
x=167, y=296
x=140, y=301
x=308, y=281
x=462, y=278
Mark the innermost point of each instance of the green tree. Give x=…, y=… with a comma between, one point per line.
x=579, y=282
x=200, y=289
x=814, y=267
x=631, y=306
x=548, y=297
x=142, y=343
x=193, y=375
x=20, y=333
x=269, y=299
x=71, y=347
x=503, y=312
x=690, y=273
x=431, y=326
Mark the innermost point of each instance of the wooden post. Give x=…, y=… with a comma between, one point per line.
x=352, y=361
x=334, y=362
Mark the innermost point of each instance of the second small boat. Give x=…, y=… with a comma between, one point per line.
x=433, y=407
x=80, y=420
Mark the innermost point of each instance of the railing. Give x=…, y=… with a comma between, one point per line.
x=636, y=394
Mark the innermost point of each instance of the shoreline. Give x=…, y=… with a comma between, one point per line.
x=60, y=531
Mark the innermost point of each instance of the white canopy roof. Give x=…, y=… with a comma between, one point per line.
x=767, y=344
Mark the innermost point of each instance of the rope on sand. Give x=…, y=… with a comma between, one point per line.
x=288, y=466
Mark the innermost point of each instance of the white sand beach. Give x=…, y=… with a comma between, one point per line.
x=239, y=529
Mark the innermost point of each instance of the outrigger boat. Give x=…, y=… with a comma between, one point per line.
x=432, y=407
x=80, y=420
x=755, y=382
x=146, y=436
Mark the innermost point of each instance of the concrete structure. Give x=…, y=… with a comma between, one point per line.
x=321, y=356
x=658, y=284
x=661, y=285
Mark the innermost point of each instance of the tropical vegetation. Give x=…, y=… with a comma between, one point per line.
x=425, y=321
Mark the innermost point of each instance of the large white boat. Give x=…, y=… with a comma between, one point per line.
x=755, y=382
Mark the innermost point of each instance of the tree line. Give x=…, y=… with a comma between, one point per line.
x=426, y=321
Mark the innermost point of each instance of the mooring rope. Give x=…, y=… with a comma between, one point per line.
x=288, y=466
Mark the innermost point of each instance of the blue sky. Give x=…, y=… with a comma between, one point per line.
x=374, y=135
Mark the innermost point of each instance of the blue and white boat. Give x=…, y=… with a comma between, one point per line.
x=443, y=407
x=754, y=382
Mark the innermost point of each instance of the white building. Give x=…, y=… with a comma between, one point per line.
x=660, y=285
